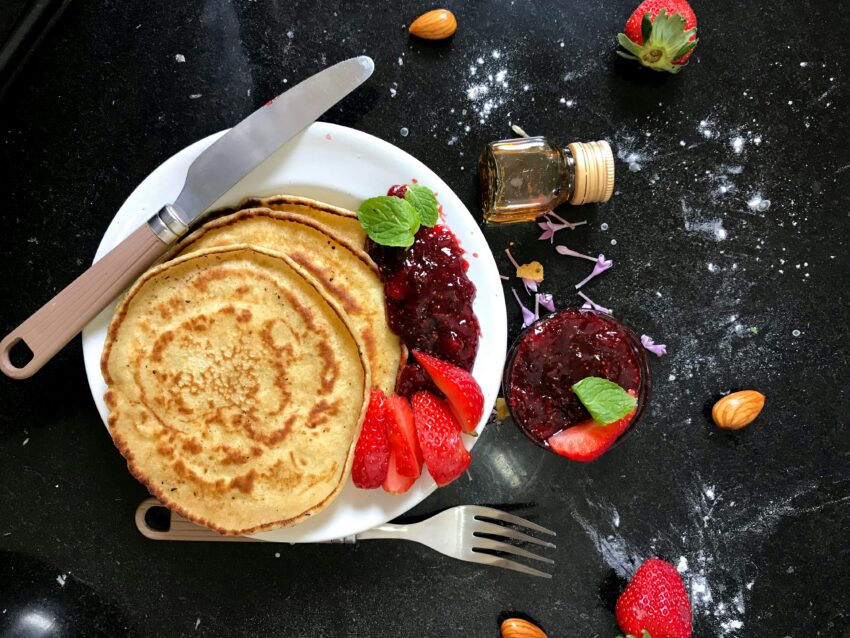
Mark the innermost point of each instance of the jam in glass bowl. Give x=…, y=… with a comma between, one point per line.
x=559, y=350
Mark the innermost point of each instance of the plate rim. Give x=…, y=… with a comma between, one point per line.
x=122, y=224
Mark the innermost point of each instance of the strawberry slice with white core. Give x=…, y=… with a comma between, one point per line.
x=588, y=440
x=395, y=483
x=439, y=437
x=372, y=452
x=461, y=389
x=402, y=435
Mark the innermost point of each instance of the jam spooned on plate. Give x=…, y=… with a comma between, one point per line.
x=429, y=300
x=556, y=352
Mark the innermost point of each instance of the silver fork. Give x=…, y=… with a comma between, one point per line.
x=456, y=532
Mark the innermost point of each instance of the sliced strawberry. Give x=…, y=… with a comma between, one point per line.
x=461, y=389
x=372, y=452
x=395, y=483
x=588, y=440
x=439, y=437
x=402, y=435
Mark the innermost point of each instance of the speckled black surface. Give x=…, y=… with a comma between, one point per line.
x=760, y=517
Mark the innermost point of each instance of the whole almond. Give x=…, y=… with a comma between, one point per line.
x=737, y=410
x=519, y=628
x=438, y=24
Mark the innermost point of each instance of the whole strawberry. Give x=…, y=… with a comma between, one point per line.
x=660, y=34
x=655, y=602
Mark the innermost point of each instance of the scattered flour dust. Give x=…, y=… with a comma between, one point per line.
x=694, y=222
x=757, y=203
x=488, y=84
x=710, y=552
x=612, y=548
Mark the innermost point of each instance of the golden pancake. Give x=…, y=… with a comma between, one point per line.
x=338, y=268
x=342, y=222
x=236, y=389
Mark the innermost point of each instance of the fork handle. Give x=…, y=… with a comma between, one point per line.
x=388, y=530
x=180, y=529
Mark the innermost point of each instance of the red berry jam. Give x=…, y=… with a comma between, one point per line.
x=429, y=302
x=557, y=352
x=397, y=191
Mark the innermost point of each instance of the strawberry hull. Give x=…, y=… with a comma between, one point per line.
x=660, y=35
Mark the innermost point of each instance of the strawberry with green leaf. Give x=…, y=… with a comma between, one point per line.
x=660, y=34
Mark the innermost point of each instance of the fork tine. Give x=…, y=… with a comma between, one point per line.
x=500, y=530
x=486, y=543
x=496, y=561
x=499, y=515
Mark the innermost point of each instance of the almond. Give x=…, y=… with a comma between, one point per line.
x=519, y=628
x=738, y=409
x=438, y=24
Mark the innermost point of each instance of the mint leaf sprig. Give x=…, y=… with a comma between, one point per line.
x=605, y=400
x=392, y=221
x=424, y=201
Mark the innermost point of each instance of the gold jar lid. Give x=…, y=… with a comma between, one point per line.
x=594, y=172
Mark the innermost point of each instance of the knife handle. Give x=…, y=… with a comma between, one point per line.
x=60, y=319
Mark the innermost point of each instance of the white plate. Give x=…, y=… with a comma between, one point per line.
x=340, y=166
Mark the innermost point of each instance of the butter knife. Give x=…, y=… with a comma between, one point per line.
x=211, y=175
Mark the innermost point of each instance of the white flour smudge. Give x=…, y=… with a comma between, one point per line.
x=612, y=548
x=737, y=143
x=694, y=223
x=757, y=203
x=489, y=84
x=706, y=129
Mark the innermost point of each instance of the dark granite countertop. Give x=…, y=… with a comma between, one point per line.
x=729, y=234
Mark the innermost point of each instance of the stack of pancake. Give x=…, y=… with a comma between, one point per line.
x=239, y=368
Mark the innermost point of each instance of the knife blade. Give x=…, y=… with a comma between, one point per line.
x=211, y=175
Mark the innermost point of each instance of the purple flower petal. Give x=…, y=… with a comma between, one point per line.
x=566, y=224
x=563, y=250
x=549, y=228
x=589, y=303
x=657, y=349
x=528, y=317
x=530, y=285
x=601, y=266
x=548, y=234
x=547, y=301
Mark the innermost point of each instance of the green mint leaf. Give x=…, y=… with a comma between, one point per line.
x=389, y=221
x=423, y=200
x=605, y=400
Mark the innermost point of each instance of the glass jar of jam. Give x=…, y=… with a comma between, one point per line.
x=559, y=350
